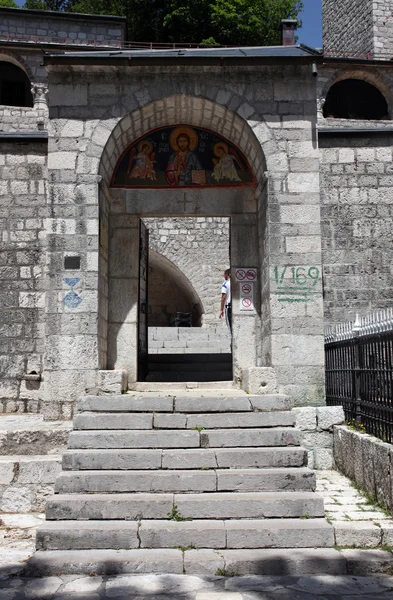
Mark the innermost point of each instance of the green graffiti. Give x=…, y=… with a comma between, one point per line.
x=296, y=284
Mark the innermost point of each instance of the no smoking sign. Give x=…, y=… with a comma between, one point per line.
x=246, y=296
x=246, y=274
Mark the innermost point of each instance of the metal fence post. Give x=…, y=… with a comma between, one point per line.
x=357, y=370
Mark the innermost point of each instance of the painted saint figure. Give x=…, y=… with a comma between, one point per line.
x=140, y=165
x=183, y=167
x=224, y=164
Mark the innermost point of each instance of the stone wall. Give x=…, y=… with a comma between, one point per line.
x=358, y=26
x=316, y=426
x=383, y=27
x=60, y=27
x=199, y=247
x=347, y=26
x=23, y=210
x=367, y=461
x=357, y=224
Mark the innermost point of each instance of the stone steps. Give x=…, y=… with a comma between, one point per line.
x=104, y=421
x=276, y=533
x=184, y=404
x=211, y=480
x=305, y=561
x=216, y=505
x=144, y=473
x=179, y=438
x=202, y=458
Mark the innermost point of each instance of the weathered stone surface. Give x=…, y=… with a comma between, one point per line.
x=133, y=439
x=249, y=437
x=170, y=534
x=259, y=380
x=280, y=561
x=359, y=535
x=327, y=416
x=237, y=420
x=252, y=480
x=256, y=505
x=121, y=506
x=279, y=533
x=212, y=404
x=125, y=403
x=366, y=562
x=306, y=418
x=113, y=421
x=136, y=481
x=95, y=562
x=260, y=457
x=81, y=535
x=111, y=459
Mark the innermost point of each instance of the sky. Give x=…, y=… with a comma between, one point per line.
x=311, y=31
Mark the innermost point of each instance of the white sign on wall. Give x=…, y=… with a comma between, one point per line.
x=246, y=296
x=246, y=274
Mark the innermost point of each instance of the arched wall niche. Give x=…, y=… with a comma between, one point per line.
x=374, y=78
x=15, y=83
x=119, y=217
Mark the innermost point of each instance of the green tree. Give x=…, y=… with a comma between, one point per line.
x=232, y=22
x=8, y=3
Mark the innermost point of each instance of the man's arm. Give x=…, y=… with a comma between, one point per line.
x=223, y=298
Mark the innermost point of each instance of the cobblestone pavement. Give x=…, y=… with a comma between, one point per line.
x=187, y=587
x=354, y=518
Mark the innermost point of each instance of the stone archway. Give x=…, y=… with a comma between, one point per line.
x=121, y=209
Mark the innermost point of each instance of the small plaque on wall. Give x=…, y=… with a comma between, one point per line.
x=72, y=263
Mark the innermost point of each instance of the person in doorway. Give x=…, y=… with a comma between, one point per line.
x=226, y=305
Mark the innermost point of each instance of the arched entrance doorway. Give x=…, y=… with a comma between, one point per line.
x=142, y=176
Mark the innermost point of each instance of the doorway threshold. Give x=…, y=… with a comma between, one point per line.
x=161, y=386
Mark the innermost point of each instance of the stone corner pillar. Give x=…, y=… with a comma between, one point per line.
x=259, y=380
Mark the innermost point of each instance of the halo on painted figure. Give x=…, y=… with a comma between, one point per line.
x=187, y=132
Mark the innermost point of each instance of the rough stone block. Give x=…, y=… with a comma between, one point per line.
x=171, y=534
x=359, y=534
x=259, y=380
x=112, y=382
x=306, y=418
x=328, y=416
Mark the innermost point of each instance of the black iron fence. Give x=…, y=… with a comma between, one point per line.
x=359, y=372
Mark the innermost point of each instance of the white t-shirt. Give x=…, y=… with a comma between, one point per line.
x=226, y=289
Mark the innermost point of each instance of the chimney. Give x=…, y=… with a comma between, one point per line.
x=288, y=27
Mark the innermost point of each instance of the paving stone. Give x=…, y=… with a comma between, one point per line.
x=42, y=588
x=79, y=535
x=359, y=534
x=83, y=585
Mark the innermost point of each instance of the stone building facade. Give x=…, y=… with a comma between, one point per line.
x=316, y=224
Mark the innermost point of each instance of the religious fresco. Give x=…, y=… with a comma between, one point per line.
x=181, y=156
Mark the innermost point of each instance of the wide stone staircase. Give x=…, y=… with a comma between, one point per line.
x=185, y=484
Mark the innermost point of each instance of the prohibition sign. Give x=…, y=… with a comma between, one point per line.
x=240, y=274
x=246, y=302
x=251, y=274
x=246, y=288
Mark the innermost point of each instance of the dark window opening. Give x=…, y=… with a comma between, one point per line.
x=14, y=86
x=355, y=99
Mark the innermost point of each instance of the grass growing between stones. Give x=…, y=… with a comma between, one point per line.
x=175, y=515
x=372, y=500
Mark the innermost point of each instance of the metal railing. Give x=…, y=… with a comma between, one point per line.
x=359, y=372
x=95, y=43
